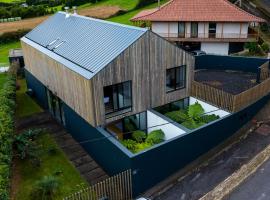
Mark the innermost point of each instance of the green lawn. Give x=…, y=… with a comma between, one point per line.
x=69, y=179
x=12, y=1
x=123, y=4
x=125, y=19
x=3, y=78
x=4, y=49
x=25, y=104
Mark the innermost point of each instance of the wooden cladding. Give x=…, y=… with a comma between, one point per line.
x=118, y=187
x=144, y=63
x=70, y=87
x=228, y=101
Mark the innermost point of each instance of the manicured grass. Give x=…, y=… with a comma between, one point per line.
x=25, y=104
x=3, y=78
x=4, y=50
x=12, y=1
x=69, y=179
x=125, y=18
x=123, y=4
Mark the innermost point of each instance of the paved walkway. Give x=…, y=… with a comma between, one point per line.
x=256, y=187
x=87, y=167
x=199, y=182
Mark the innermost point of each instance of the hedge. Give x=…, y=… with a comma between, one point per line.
x=7, y=111
x=13, y=36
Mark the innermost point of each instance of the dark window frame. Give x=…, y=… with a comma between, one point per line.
x=192, y=35
x=117, y=111
x=175, y=82
x=182, y=35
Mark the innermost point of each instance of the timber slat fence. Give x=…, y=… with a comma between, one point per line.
x=264, y=71
x=118, y=187
x=229, y=101
x=210, y=94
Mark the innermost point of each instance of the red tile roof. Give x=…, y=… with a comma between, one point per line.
x=197, y=10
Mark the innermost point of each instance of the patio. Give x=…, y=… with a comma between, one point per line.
x=233, y=82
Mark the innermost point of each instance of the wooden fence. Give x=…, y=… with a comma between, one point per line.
x=227, y=101
x=212, y=95
x=264, y=71
x=118, y=187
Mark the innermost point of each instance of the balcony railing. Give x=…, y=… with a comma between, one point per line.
x=210, y=37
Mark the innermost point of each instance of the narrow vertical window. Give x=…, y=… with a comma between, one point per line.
x=175, y=78
x=212, y=30
x=181, y=29
x=194, y=29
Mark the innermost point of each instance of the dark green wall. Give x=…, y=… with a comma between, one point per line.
x=228, y=63
x=38, y=89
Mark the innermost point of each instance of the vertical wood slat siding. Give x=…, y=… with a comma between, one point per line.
x=69, y=86
x=144, y=63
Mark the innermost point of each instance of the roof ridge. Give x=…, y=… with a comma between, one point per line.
x=106, y=22
x=241, y=10
x=156, y=9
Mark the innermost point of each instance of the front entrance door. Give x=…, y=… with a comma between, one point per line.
x=55, y=107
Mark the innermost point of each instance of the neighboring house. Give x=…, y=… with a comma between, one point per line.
x=213, y=26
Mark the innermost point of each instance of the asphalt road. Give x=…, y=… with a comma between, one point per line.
x=256, y=187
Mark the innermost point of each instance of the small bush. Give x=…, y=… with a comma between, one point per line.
x=155, y=137
x=265, y=47
x=252, y=47
x=195, y=111
x=177, y=116
x=139, y=136
x=209, y=118
x=129, y=144
x=45, y=188
x=141, y=146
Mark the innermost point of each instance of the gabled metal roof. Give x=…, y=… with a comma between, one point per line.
x=88, y=43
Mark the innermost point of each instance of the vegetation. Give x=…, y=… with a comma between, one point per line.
x=140, y=141
x=4, y=51
x=7, y=108
x=193, y=117
x=24, y=12
x=54, y=178
x=25, y=104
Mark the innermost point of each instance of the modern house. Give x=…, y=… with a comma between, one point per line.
x=103, y=81
x=216, y=27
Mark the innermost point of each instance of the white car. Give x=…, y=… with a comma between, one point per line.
x=198, y=53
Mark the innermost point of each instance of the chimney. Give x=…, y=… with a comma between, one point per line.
x=75, y=10
x=67, y=11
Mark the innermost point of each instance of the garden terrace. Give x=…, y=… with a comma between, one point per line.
x=142, y=131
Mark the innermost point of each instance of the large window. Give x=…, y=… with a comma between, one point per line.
x=194, y=29
x=117, y=98
x=175, y=78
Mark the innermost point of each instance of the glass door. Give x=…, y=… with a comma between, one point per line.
x=181, y=29
x=194, y=29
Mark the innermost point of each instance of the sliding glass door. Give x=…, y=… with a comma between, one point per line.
x=194, y=29
x=181, y=29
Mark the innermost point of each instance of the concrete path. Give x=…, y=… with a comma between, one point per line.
x=84, y=163
x=198, y=182
x=256, y=187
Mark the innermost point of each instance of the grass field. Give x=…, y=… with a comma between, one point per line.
x=4, y=49
x=12, y=1
x=69, y=178
x=25, y=105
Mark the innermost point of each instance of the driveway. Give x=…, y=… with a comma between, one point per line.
x=256, y=187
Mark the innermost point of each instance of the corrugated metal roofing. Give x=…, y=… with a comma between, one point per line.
x=87, y=42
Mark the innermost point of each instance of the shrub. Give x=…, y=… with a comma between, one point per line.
x=252, y=47
x=141, y=146
x=129, y=144
x=13, y=36
x=7, y=109
x=155, y=137
x=45, y=188
x=142, y=3
x=139, y=136
x=26, y=146
x=209, y=118
x=265, y=47
x=191, y=124
x=177, y=116
x=195, y=111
